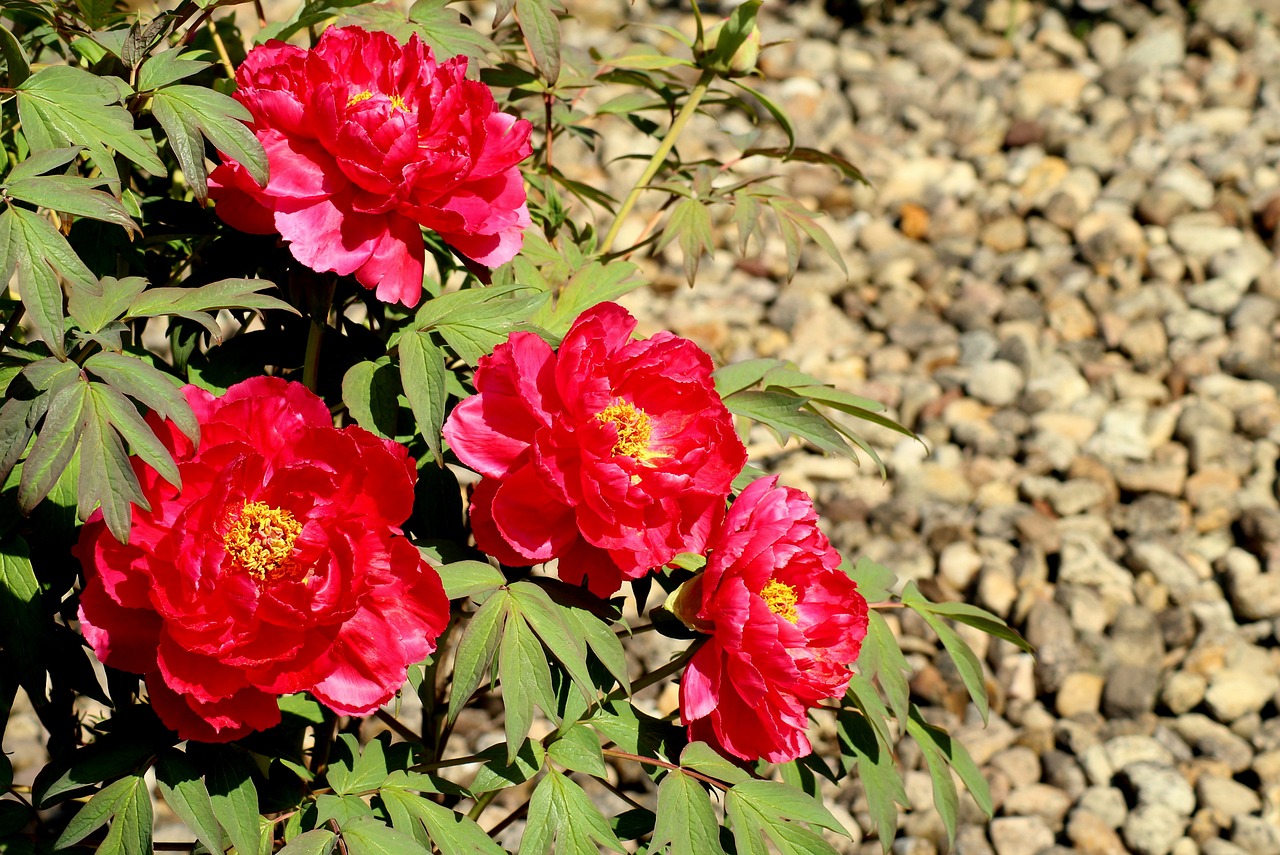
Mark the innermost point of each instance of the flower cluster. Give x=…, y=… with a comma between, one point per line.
x=611, y=456
x=278, y=567
x=367, y=140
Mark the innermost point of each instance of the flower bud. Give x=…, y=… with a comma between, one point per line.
x=743, y=60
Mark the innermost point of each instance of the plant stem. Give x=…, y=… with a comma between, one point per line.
x=320, y=306
x=394, y=723
x=660, y=156
x=481, y=804
x=654, y=761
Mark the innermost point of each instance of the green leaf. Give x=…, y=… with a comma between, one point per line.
x=690, y=224
x=318, y=841
x=979, y=619
x=368, y=836
x=452, y=833
x=94, y=311
x=560, y=812
x=603, y=643
x=422, y=374
x=785, y=415
x=64, y=423
x=959, y=758
x=865, y=698
x=38, y=252
x=742, y=375
x=548, y=620
x=22, y=614
x=476, y=649
x=875, y=581
x=734, y=32
x=123, y=416
x=130, y=831
x=223, y=294
x=643, y=61
x=945, y=797
x=578, y=749
x=183, y=110
x=152, y=387
x=966, y=661
x=526, y=680
x=588, y=285
x=759, y=808
x=541, y=31
x=235, y=799
x=95, y=813
x=370, y=390
x=468, y=578
x=881, y=659
x=811, y=155
x=72, y=195
x=168, y=67
x=341, y=809
x=17, y=68
x=369, y=770
x=106, y=476
x=40, y=162
x=63, y=105
x=686, y=821
x=498, y=773
x=701, y=757
x=778, y=113
x=185, y=792
x=473, y=322
x=879, y=773
x=444, y=30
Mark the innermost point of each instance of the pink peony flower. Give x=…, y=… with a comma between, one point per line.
x=785, y=624
x=611, y=455
x=279, y=567
x=366, y=140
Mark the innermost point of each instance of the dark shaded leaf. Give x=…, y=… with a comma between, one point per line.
x=541, y=31
x=184, y=110
x=185, y=792
x=235, y=798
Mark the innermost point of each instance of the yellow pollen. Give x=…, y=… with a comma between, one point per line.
x=633, y=428
x=358, y=97
x=260, y=542
x=781, y=600
x=398, y=102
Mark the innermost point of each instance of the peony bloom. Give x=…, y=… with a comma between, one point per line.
x=611, y=455
x=279, y=567
x=366, y=140
x=785, y=623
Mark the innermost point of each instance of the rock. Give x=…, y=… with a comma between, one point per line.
x=1079, y=694
x=1131, y=690
x=1226, y=796
x=1020, y=835
x=1152, y=829
x=1214, y=740
x=1183, y=691
x=997, y=383
x=1041, y=800
x=1160, y=45
x=1159, y=784
x=1091, y=835
x=1255, y=835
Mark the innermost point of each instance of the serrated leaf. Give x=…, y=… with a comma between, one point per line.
x=742, y=375
x=444, y=30
x=71, y=195
x=106, y=477
x=92, y=312
x=526, y=680
x=476, y=650
x=182, y=109
x=578, y=749
x=690, y=225
x=686, y=822
x=185, y=792
x=341, y=809
x=499, y=773
x=223, y=294
x=368, y=836
x=64, y=423
x=881, y=659
x=155, y=389
x=422, y=374
x=875, y=581
x=548, y=620
x=561, y=813
x=95, y=813
x=467, y=578
x=370, y=390
x=61, y=105
x=318, y=841
x=167, y=67
x=451, y=832
x=235, y=799
x=541, y=31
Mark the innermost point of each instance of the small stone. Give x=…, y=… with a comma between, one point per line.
x=1153, y=829
x=1183, y=691
x=1021, y=835
x=997, y=383
x=914, y=221
x=1105, y=802
x=1121, y=751
x=1236, y=692
x=1226, y=796
x=1214, y=740
x=1006, y=234
x=1159, y=784
x=1255, y=835
x=1131, y=690
x=1080, y=694
x=1091, y=835
x=1160, y=45
x=959, y=563
x=1042, y=800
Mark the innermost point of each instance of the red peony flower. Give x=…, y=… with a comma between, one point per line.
x=785, y=623
x=611, y=455
x=367, y=139
x=279, y=567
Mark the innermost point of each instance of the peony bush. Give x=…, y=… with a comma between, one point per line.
x=323, y=426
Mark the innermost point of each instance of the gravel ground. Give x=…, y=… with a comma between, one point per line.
x=1065, y=280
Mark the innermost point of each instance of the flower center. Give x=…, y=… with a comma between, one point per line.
x=260, y=542
x=398, y=102
x=781, y=600
x=358, y=97
x=634, y=429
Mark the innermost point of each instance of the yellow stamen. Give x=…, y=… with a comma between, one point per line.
x=634, y=430
x=358, y=97
x=781, y=600
x=260, y=542
x=398, y=102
